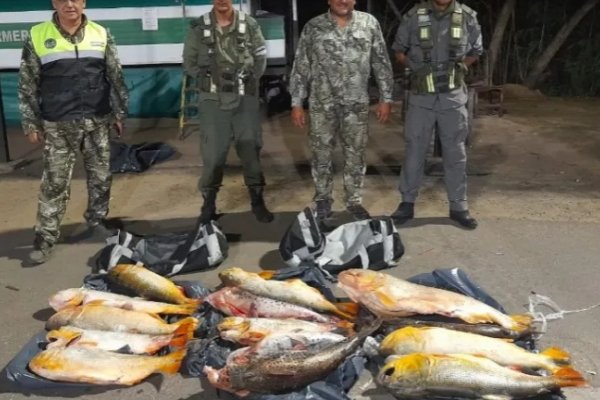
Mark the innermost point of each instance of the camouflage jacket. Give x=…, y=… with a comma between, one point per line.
x=334, y=64
x=30, y=75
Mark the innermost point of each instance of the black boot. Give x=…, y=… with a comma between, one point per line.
x=257, y=201
x=464, y=219
x=404, y=212
x=208, y=212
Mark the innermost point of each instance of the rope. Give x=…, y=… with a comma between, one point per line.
x=537, y=300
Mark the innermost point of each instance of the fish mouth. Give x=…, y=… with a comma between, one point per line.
x=385, y=376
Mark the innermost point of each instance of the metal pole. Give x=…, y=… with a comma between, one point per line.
x=4, y=155
x=295, y=31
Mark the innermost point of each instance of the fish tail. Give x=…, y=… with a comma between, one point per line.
x=180, y=337
x=346, y=310
x=189, y=325
x=521, y=322
x=195, y=303
x=62, y=337
x=170, y=364
x=568, y=377
x=181, y=309
x=267, y=275
x=557, y=355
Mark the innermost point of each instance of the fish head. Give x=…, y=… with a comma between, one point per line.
x=64, y=336
x=234, y=276
x=403, y=341
x=405, y=371
x=66, y=298
x=361, y=279
x=219, y=378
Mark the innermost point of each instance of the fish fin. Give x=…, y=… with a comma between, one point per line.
x=267, y=275
x=180, y=337
x=172, y=362
x=345, y=326
x=557, y=355
x=496, y=397
x=63, y=336
x=189, y=325
x=568, y=377
x=347, y=310
x=386, y=300
x=252, y=337
x=97, y=302
x=522, y=322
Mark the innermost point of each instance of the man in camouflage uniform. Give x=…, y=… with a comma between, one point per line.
x=437, y=40
x=334, y=59
x=71, y=90
x=225, y=53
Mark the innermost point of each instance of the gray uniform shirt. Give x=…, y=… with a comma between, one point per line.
x=407, y=42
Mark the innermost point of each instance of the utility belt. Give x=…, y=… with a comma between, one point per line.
x=228, y=82
x=434, y=78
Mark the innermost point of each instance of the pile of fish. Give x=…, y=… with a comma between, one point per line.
x=104, y=338
x=427, y=361
x=289, y=334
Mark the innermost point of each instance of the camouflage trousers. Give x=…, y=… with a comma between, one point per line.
x=349, y=123
x=62, y=142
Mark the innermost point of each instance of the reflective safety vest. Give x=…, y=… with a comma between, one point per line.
x=448, y=76
x=73, y=81
x=219, y=78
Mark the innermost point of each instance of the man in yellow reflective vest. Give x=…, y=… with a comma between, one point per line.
x=437, y=40
x=71, y=91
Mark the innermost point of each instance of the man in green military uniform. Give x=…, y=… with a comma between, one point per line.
x=437, y=40
x=71, y=91
x=225, y=53
x=335, y=56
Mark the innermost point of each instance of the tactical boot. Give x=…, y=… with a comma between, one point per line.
x=323, y=209
x=41, y=253
x=208, y=212
x=358, y=212
x=404, y=212
x=464, y=219
x=259, y=208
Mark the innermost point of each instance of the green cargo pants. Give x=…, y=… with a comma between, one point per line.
x=240, y=125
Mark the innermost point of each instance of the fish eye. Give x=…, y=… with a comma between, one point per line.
x=389, y=371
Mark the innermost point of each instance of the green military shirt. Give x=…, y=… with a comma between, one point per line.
x=252, y=61
x=30, y=76
x=407, y=42
x=334, y=64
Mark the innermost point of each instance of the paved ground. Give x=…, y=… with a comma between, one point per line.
x=535, y=185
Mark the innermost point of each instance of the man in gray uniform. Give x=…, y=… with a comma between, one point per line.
x=225, y=53
x=335, y=57
x=437, y=40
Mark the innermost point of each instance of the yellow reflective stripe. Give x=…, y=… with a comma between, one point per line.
x=424, y=33
x=452, y=79
x=68, y=55
x=456, y=33
x=429, y=82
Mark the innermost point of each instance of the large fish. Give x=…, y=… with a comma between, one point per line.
x=236, y=302
x=390, y=297
x=292, y=291
x=80, y=296
x=252, y=330
x=491, y=330
x=69, y=336
x=278, y=343
x=465, y=376
x=148, y=284
x=102, y=318
x=444, y=341
x=285, y=371
x=73, y=364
